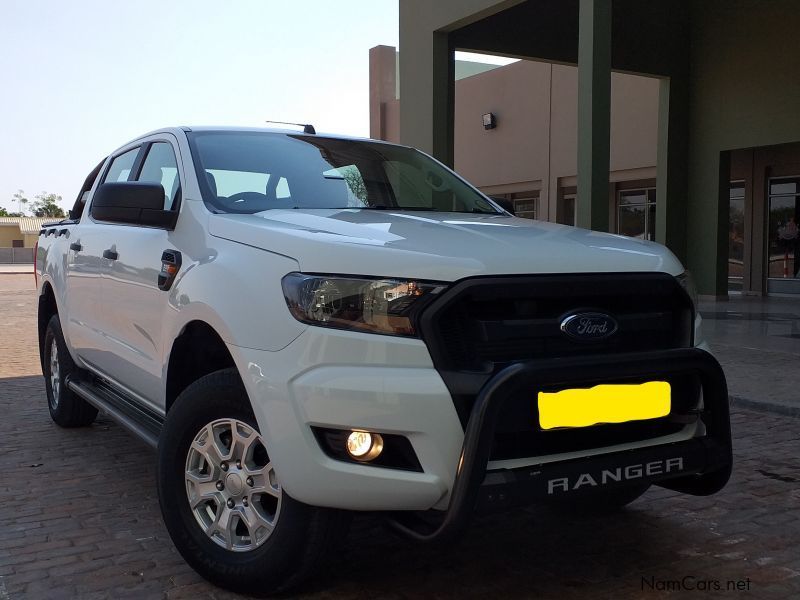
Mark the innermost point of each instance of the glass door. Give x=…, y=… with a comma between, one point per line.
x=736, y=237
x=782, y=235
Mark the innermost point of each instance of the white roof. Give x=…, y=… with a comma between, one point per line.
x=28, y=225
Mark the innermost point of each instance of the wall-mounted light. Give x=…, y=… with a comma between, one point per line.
x=489, y=121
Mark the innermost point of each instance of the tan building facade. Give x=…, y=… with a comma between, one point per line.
x=18, y=236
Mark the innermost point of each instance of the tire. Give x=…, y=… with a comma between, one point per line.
x=67, y=409
x=254, y=563
x=601, y=503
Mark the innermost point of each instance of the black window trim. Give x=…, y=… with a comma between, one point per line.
x=138, y=166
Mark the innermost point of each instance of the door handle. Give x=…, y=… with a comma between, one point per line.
x=110, y=254
x=75, y=246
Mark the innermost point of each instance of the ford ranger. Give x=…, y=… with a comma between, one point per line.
x=309, y=325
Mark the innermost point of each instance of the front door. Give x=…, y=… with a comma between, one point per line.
x=135, y=305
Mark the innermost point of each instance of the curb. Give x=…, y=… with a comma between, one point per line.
x=765, y=407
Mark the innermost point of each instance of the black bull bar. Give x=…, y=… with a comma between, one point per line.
x=705, y=462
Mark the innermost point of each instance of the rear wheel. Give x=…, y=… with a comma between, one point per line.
x=67, y=409
x=222, y=500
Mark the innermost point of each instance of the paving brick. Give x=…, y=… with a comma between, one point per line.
x=85, y=522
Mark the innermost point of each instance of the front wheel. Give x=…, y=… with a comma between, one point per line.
x=222, y=501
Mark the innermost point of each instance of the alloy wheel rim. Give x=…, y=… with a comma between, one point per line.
x=55, y=376
x=231, y=486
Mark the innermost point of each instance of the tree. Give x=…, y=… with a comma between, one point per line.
x=4, y=212
x=355, y=182
x=21, y=200
x=46, y=205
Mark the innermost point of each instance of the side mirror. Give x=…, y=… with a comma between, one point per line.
x=505, y=204
x=132, y=203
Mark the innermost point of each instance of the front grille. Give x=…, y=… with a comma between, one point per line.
x=480, y=325
x=484, y=324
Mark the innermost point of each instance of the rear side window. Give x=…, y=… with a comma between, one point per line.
x=161, y=167
x=121, y=166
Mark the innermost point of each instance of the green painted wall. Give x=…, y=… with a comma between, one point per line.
x=423, y=56
x=744, y=92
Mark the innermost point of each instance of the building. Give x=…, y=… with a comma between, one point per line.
x=727, y=124
x=18, y=236
x=528, y=152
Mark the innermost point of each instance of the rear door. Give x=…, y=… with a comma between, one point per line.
x=135, y=305
x=85, y=269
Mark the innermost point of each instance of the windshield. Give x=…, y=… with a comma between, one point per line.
x=248, y=172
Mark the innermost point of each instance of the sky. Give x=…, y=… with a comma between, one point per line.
x=81, y=78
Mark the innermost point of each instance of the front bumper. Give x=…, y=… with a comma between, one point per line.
x=346, y=380
x=699, y=466
x=342, y=380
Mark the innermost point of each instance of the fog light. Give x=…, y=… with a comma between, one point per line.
x=365, y=446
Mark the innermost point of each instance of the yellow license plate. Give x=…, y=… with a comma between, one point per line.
x=606, y=403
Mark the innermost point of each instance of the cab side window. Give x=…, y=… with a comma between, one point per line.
x=160, y=166
x=121, y=166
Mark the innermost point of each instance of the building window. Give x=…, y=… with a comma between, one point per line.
x=636, y=213
x=736, y=236
x=526, y=204
x=17, y=243
x=565, y=208
x=784, y=213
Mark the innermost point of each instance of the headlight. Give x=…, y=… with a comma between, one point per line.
x=687, y=283
x=374, y=305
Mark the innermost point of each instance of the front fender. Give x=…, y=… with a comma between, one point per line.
x=237, y=291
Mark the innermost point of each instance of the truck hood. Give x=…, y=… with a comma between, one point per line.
x=437, y=246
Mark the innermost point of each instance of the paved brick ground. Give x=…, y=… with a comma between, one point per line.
x=79, y=518
x=757, y=341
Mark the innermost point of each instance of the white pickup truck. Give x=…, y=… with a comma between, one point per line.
x=309, y=325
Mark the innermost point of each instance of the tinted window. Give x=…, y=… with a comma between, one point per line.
x=121, y=166
x=247, y=172
x=161, y=167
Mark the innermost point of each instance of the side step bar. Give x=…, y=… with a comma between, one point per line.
x=143, y=423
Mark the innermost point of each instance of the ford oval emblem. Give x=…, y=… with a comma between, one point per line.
x=589, y=326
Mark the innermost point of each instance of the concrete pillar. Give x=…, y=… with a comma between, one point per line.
x=594, y=113
x=672, y=170
x=382, y=86
x=707, y=222
x=444, y=91
x=427, y=90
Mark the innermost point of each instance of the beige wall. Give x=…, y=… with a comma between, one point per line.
x=534, y=146
x=8, y=233
x=516, y=150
